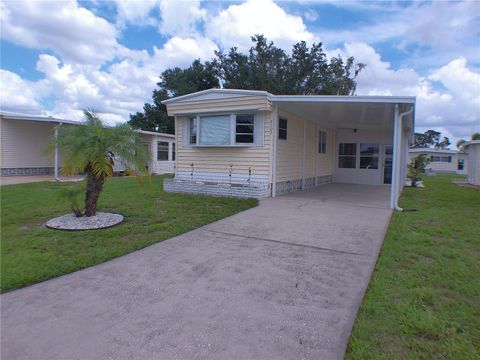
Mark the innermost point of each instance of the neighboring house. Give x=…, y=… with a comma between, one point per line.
x=24, y=139
x=473, y=168
x=442, y=160
x=255, y=144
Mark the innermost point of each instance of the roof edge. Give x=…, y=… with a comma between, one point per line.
x=215, y=90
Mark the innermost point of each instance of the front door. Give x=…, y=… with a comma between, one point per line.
x=387, y=163
x=359, y=163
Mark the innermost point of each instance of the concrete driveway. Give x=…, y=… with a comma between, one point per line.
x=281, y=281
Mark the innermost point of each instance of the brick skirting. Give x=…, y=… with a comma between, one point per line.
x=27, y=171
x=239, y=190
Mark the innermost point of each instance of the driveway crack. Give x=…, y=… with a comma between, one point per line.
x=313, y=247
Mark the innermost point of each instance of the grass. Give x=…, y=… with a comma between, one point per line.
x=423, y=301
x=31, y=253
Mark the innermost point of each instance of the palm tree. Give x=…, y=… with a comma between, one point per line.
x=92, y=148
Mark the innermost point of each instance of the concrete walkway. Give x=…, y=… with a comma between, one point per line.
x=281, y=281
x=11, y=180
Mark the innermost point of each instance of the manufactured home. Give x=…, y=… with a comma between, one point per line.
x=255, y=144
x=442, y=160
x=24, y=139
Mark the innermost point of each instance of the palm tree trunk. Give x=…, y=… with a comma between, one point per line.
x=94, y=187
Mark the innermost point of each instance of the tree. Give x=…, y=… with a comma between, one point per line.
x=265, y=67
x=92, y=148
x=431, y=138
x=461, y=143
x=442, y=144
x=416, y=168
x=305, y=72
x=173, y=82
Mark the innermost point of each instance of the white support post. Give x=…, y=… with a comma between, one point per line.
x=274, y=136
x=396, y=158
x=304, y=152
x=56, y=153
x=315, y=149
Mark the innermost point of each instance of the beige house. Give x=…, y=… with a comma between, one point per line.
x=442, y=160
x=25, y=137
x=254, y=144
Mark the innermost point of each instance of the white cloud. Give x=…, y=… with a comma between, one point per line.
x=73, y=32
x=182, y=51
x=438, y=31
x=454, y=105
x=235, y=25
x=17, y=94
x=180, y=18
x=135, y=12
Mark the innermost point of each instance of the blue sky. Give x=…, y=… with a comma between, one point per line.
x=58, y=57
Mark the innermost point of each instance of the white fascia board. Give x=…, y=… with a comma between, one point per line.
x=153, y=133
x=343, y=99
x=471, y=142
x=24, y=117
x=220, y=91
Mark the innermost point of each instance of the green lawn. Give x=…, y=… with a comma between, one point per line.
x=423, y=301
x=31, y=253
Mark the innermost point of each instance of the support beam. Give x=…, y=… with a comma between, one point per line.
x=304, y=152
x=396, y=157
x=56, y=160
x=274, y=135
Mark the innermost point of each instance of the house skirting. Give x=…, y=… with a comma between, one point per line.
x=239, y=190
x=295, y=185
x=27, y=171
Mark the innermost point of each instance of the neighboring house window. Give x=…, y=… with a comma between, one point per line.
x=347, y=155
x=282, y=128
x=369, y=156
x=460, y=164
x=322, y=142
x=244, y=125
x=193, y=130
x=173, y=151
x=162, y=151
x=441, y=159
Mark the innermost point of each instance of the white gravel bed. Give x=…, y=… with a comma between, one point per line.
x=71, y=222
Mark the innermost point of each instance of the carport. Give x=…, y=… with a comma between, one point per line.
x=371, y=137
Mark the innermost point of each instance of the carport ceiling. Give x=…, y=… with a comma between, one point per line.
x=343, y=115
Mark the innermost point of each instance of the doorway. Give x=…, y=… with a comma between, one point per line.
x=387, y=163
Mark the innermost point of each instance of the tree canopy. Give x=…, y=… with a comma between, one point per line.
x=307, y=71
x=431, y=139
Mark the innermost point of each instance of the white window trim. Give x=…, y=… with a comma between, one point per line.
x=233, y=124
x=286, y=129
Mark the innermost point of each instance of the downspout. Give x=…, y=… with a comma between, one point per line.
x=56, y=152
x=304, y=152
x=397, y=143
x=274, y=148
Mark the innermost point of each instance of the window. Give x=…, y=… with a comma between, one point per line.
x=460, y=164
x=225, y=130
x=244, y=125
x=162, y=151
x=282, y=128
x=441, y=159
x=193, y=130
x=173, y=151
x=369, y=156
x=322, y=142
x=215, y=130
x=347, y=155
